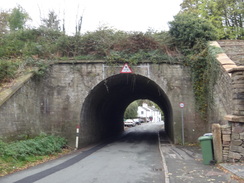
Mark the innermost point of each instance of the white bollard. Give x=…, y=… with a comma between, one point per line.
x=77, y=137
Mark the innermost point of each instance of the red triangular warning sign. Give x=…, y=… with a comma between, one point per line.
x=126, y=69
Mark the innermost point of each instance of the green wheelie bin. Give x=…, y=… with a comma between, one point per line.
x=206, y=143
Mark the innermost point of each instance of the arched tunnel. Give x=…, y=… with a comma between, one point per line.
x=103, y=110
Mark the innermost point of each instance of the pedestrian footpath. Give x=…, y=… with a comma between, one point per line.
x=236, y=169
x=185, y=164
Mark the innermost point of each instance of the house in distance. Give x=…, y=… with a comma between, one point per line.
x=150, y=113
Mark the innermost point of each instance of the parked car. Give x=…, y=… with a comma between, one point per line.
x=137, y=121
x=129, y=122
x=141, y=120
x=144, y=120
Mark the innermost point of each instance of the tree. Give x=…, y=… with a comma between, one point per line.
x=17, y=19
x=190, y=6
x=187, y=29
x=52, y=22
x=131, y=110
x=78, y=26
x=225, y=15
x=232, y=12
x=3, y=22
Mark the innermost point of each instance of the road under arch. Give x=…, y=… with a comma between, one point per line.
x=103, y=110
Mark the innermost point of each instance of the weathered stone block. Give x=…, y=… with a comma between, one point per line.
x=241, y=150
x=236, y=142
x=238, y=85
x=238, y=102
x=239, y=107
x=226, y=127
x=226, y=143
x=239, y=95
x=227, y=148
x=234, y=155
x=235, y=136
x=237, y=128
x=226, y=138
x=225, y=157
x=225, y=152
x=238, y=79
x=238, y=149
x=241, y=135
x=226, y=132
x=237, y=111
x=234, y=148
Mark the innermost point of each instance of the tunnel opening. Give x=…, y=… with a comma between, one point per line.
x=102, y=114
x=143, y=111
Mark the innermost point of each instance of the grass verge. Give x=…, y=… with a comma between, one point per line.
x=23, y=154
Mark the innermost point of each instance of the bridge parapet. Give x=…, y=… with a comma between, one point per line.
x=236, y=120
x=229, y=134
x=237, y=75
x=232, y=133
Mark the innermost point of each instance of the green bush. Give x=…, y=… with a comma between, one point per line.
x=2, y=146
x=8, y=69
x=30, y=42
x=39, y=146
x=98, y=42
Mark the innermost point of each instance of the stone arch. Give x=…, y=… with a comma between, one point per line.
x=103, y=109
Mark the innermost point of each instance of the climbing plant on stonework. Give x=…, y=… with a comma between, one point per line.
x=191, y=34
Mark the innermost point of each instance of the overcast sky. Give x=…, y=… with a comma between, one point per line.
x=126, y=15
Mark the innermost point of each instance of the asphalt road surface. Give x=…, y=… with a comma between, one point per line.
x=133, y=158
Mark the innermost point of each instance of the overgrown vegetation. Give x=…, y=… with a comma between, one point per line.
x=15, y=155
x=192, y=34
x=8, y=69
x=103, y=43
x=40, y=47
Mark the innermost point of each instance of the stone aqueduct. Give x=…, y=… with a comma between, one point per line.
x=94, y=96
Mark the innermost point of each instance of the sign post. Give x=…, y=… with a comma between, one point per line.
x=182, y=105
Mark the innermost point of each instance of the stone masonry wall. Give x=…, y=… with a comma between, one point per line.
x=233, y=142
x=53, y=103
x=233, y=133
x=20, y=114
x=222, y=96
x=230, y=90
x=223, y=104
x=237, y=142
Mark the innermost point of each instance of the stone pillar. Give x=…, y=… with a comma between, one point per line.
x=237, y=76
x=226, y=133
x=217, y=143
x=233, y=150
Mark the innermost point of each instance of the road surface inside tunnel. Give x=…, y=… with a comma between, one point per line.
x=134, y=157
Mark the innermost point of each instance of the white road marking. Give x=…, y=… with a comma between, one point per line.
x=166, y=171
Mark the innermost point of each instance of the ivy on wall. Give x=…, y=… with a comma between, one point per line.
x=204, y=72
x=191, y=34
